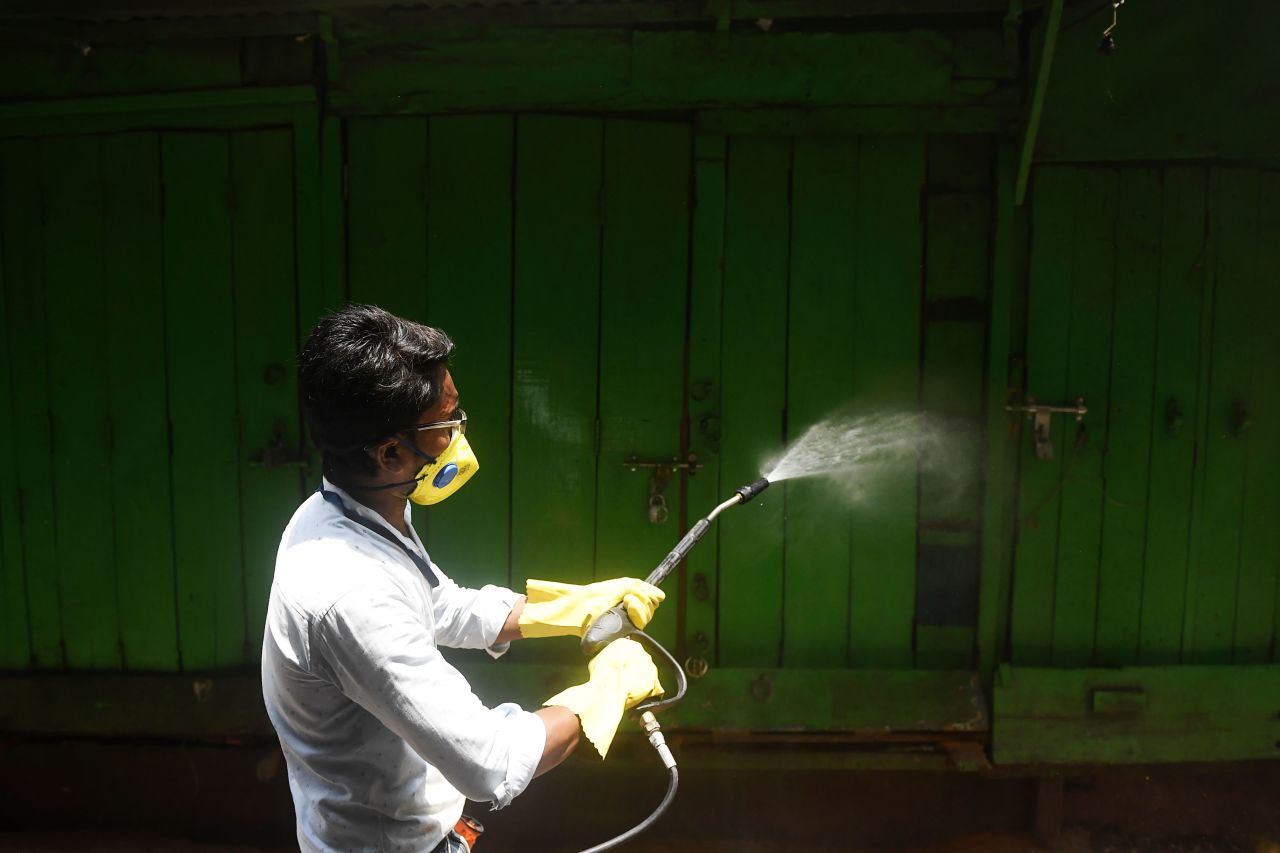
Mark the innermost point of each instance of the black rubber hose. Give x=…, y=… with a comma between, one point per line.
x=672, y=784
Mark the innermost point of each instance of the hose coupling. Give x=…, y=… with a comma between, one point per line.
x=654, y=732
x=748, y=493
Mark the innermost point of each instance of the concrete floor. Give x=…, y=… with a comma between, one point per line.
x=1071, y=841
x=189, y=798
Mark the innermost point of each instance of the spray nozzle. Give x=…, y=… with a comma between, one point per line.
x=748, y=493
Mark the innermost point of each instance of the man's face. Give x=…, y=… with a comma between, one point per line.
x=395, y=461
x=432, y=442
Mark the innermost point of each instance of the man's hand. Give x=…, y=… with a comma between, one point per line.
x=622, y=676
x=562, y=609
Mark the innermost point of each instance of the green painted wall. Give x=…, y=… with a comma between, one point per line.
x=151, y=310
x=648, y=244
x=1147, y=538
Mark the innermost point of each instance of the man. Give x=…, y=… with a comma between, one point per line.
x=383, y=738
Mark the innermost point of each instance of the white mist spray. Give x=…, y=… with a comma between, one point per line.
x=856, y=453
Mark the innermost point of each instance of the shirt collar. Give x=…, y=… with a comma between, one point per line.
x=365, y=512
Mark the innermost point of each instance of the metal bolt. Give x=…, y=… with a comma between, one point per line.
x=696, y=667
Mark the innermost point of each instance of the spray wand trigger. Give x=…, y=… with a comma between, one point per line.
x=611, y=625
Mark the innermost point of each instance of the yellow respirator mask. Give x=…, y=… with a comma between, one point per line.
x=443, y=475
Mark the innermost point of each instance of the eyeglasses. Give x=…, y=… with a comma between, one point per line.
x=458, y=422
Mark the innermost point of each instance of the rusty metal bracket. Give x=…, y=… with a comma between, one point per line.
x=1040, y=415
x=663, y=471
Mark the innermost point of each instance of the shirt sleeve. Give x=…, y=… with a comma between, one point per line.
x=382, y=656
x=471, y=618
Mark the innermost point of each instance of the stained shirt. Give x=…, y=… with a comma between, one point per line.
x=383, y=738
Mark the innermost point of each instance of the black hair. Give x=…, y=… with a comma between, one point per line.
x=364, y=375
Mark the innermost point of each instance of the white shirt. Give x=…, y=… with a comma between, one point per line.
x=383, y=738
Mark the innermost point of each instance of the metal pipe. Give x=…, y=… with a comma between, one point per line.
x=1052, y=25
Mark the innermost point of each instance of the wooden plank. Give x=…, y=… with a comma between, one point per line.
x=614, y=69
x=820, y=372
x=200, y=340
x=1204, y=399
x=706, y=281
x=265, y=299
x=1126, y=459
x=957, y=212
x=753, y=382
x=28, y=320
x=951, y=390
x=711, y=69
x=851, y=702
x=1000, y=433
x=319, y=236
x=133, y=279
x=556, y=348
x=387, y=214
x=319, y=192
x=14, y=630
x=980, y=118
x=333, y=226
x=643, y=297
x=886, y=331
x=135, y=706
x=834, y=701
x=1136, y=715
x=79, y=407
x=1233, y=218
x=1173, y=431
x=1259, y=539
x=139, y=108
x=387, y=221
x=1088, y=368
x=15, y=640
x=1053, y=222
x=469, y=270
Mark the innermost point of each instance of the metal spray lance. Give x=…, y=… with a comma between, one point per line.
x=614, y=624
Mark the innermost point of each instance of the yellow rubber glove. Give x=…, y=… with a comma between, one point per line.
x=622, y=676
x=563, y=609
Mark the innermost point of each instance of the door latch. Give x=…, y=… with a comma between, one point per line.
x=1039, y=415
x=663, y=470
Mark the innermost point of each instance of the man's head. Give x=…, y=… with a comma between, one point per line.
x=367, y=377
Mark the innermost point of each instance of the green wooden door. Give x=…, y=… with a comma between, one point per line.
x=554, y=251
x=150, y=405
x=627, y=290
x=1149, y=537
x=837, y=273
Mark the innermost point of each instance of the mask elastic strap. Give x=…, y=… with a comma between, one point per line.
x=429, y=460
x=423, y=566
